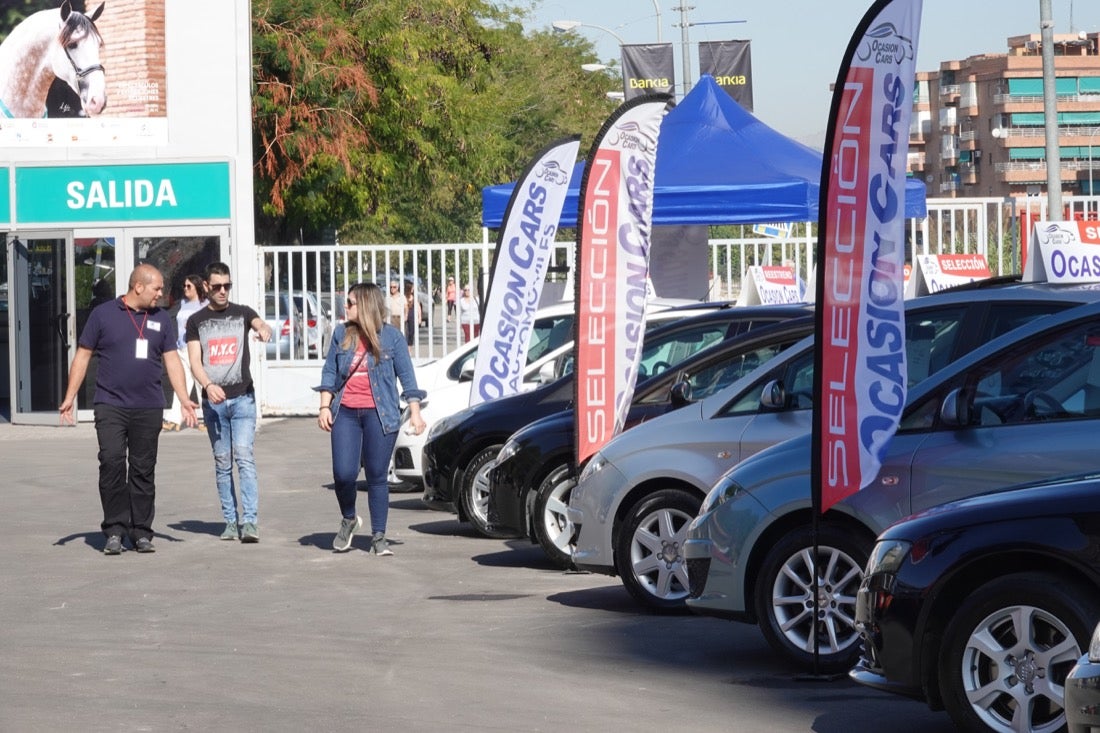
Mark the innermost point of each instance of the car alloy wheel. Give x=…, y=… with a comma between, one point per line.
x=791, y=609
x=551, y=525
x=475, y=491
x=1009, y=648
x=649, y=552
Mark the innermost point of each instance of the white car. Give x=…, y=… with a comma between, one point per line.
x=447, y=380
x=553, y=329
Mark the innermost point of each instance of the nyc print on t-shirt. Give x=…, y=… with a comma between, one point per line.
x=225, y=342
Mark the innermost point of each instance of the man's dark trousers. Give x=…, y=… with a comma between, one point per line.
x=127, y=436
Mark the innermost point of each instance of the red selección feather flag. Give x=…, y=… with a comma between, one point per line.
x=616, y=214
x=860, y=375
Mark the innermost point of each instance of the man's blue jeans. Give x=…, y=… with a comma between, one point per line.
x=357, y=439
x=231, y=427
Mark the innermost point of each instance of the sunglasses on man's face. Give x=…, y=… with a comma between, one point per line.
x=215, y=287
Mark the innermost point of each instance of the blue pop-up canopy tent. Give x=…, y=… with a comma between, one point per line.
x=717, y=164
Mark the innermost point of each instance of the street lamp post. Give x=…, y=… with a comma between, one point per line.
x=567, y=26
x=657, y=8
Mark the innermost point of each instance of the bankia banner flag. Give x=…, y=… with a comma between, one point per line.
x=730, y=63
x=525, y=245
x=860, y=372
x=648, y=68
x=615, y=214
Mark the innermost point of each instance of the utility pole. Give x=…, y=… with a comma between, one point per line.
x=685, y=45
x=1050, y=115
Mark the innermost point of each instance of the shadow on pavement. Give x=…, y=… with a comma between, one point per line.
x=197, y=526
x=519, y=555
x=96, y=540
x=613, y=598
x=446, y=528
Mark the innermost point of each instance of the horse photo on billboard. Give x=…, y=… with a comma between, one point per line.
x=59, y=44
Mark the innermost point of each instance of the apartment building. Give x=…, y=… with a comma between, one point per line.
x=978, y=125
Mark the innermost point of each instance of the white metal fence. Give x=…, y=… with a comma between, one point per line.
x=987, y=226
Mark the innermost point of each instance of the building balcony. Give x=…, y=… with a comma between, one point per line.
x=916, y=162
x=967, y=135
x=950, y=91
x=950, y=186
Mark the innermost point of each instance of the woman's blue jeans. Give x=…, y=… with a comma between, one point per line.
x=358, y=440
x=231, y=427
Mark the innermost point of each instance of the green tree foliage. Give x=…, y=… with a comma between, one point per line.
x=384, y=118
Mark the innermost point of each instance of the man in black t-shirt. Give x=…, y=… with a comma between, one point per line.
x=217, y=347
x=134, y=340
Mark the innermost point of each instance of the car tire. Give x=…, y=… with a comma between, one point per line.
x=784, y=596
x=551, y=526
x=1014, y=621
x=475, y=492
x=649, y=549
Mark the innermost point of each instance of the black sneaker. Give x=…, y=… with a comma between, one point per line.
x=113, y=546
x=144, y=544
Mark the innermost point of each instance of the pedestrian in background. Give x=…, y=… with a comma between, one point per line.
x=395, y=305
x=217, y=345
x=359, y=407
x=135, y=342
x=413, y=314
x=468, y=314
x=452, y=292
x=194, y=298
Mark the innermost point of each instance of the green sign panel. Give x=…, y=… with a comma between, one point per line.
x=109, y=193
x=5, y=196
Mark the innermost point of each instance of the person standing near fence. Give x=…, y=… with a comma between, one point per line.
x=452, y=292
x=194, y=299
x=217, y=344
x=135, y=342
x=396, y=306
x=359, y=407
x=468, y=314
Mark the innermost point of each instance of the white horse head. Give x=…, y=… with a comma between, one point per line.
x=75, y=58
x=52, y=44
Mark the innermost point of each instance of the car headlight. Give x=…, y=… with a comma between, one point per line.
x=722, y=492
x=887, y=556
x=1094, y=645
x=441, y=426
x=510, y=449
x=594, y=466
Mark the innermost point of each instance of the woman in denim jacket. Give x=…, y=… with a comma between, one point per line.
x=359, y=408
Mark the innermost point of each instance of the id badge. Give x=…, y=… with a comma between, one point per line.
x=141, y=350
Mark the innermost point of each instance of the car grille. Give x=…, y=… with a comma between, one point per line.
x=402, y=458
x=697, y=576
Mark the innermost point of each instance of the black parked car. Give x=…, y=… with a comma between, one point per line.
x=534, y=474
x=460, y=447
x=982, y=606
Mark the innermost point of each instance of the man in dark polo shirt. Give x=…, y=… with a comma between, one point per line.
x=135, y=342
x=217, y=348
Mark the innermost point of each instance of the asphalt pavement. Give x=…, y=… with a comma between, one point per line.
x=454, y=632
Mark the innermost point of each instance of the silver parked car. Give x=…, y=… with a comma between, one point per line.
x=635, y=497
x=1024, y=407
x=287, y=327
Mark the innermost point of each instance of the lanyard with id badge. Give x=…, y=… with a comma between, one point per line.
x=141, y=347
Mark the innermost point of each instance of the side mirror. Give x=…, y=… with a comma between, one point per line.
x=547, y=372
x=466, y=374
x=774, y=396
x=680, y=393
x=955, y=409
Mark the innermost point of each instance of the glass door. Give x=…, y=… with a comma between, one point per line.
x=41, y=333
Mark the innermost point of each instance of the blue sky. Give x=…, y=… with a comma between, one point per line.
x=797, y=44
